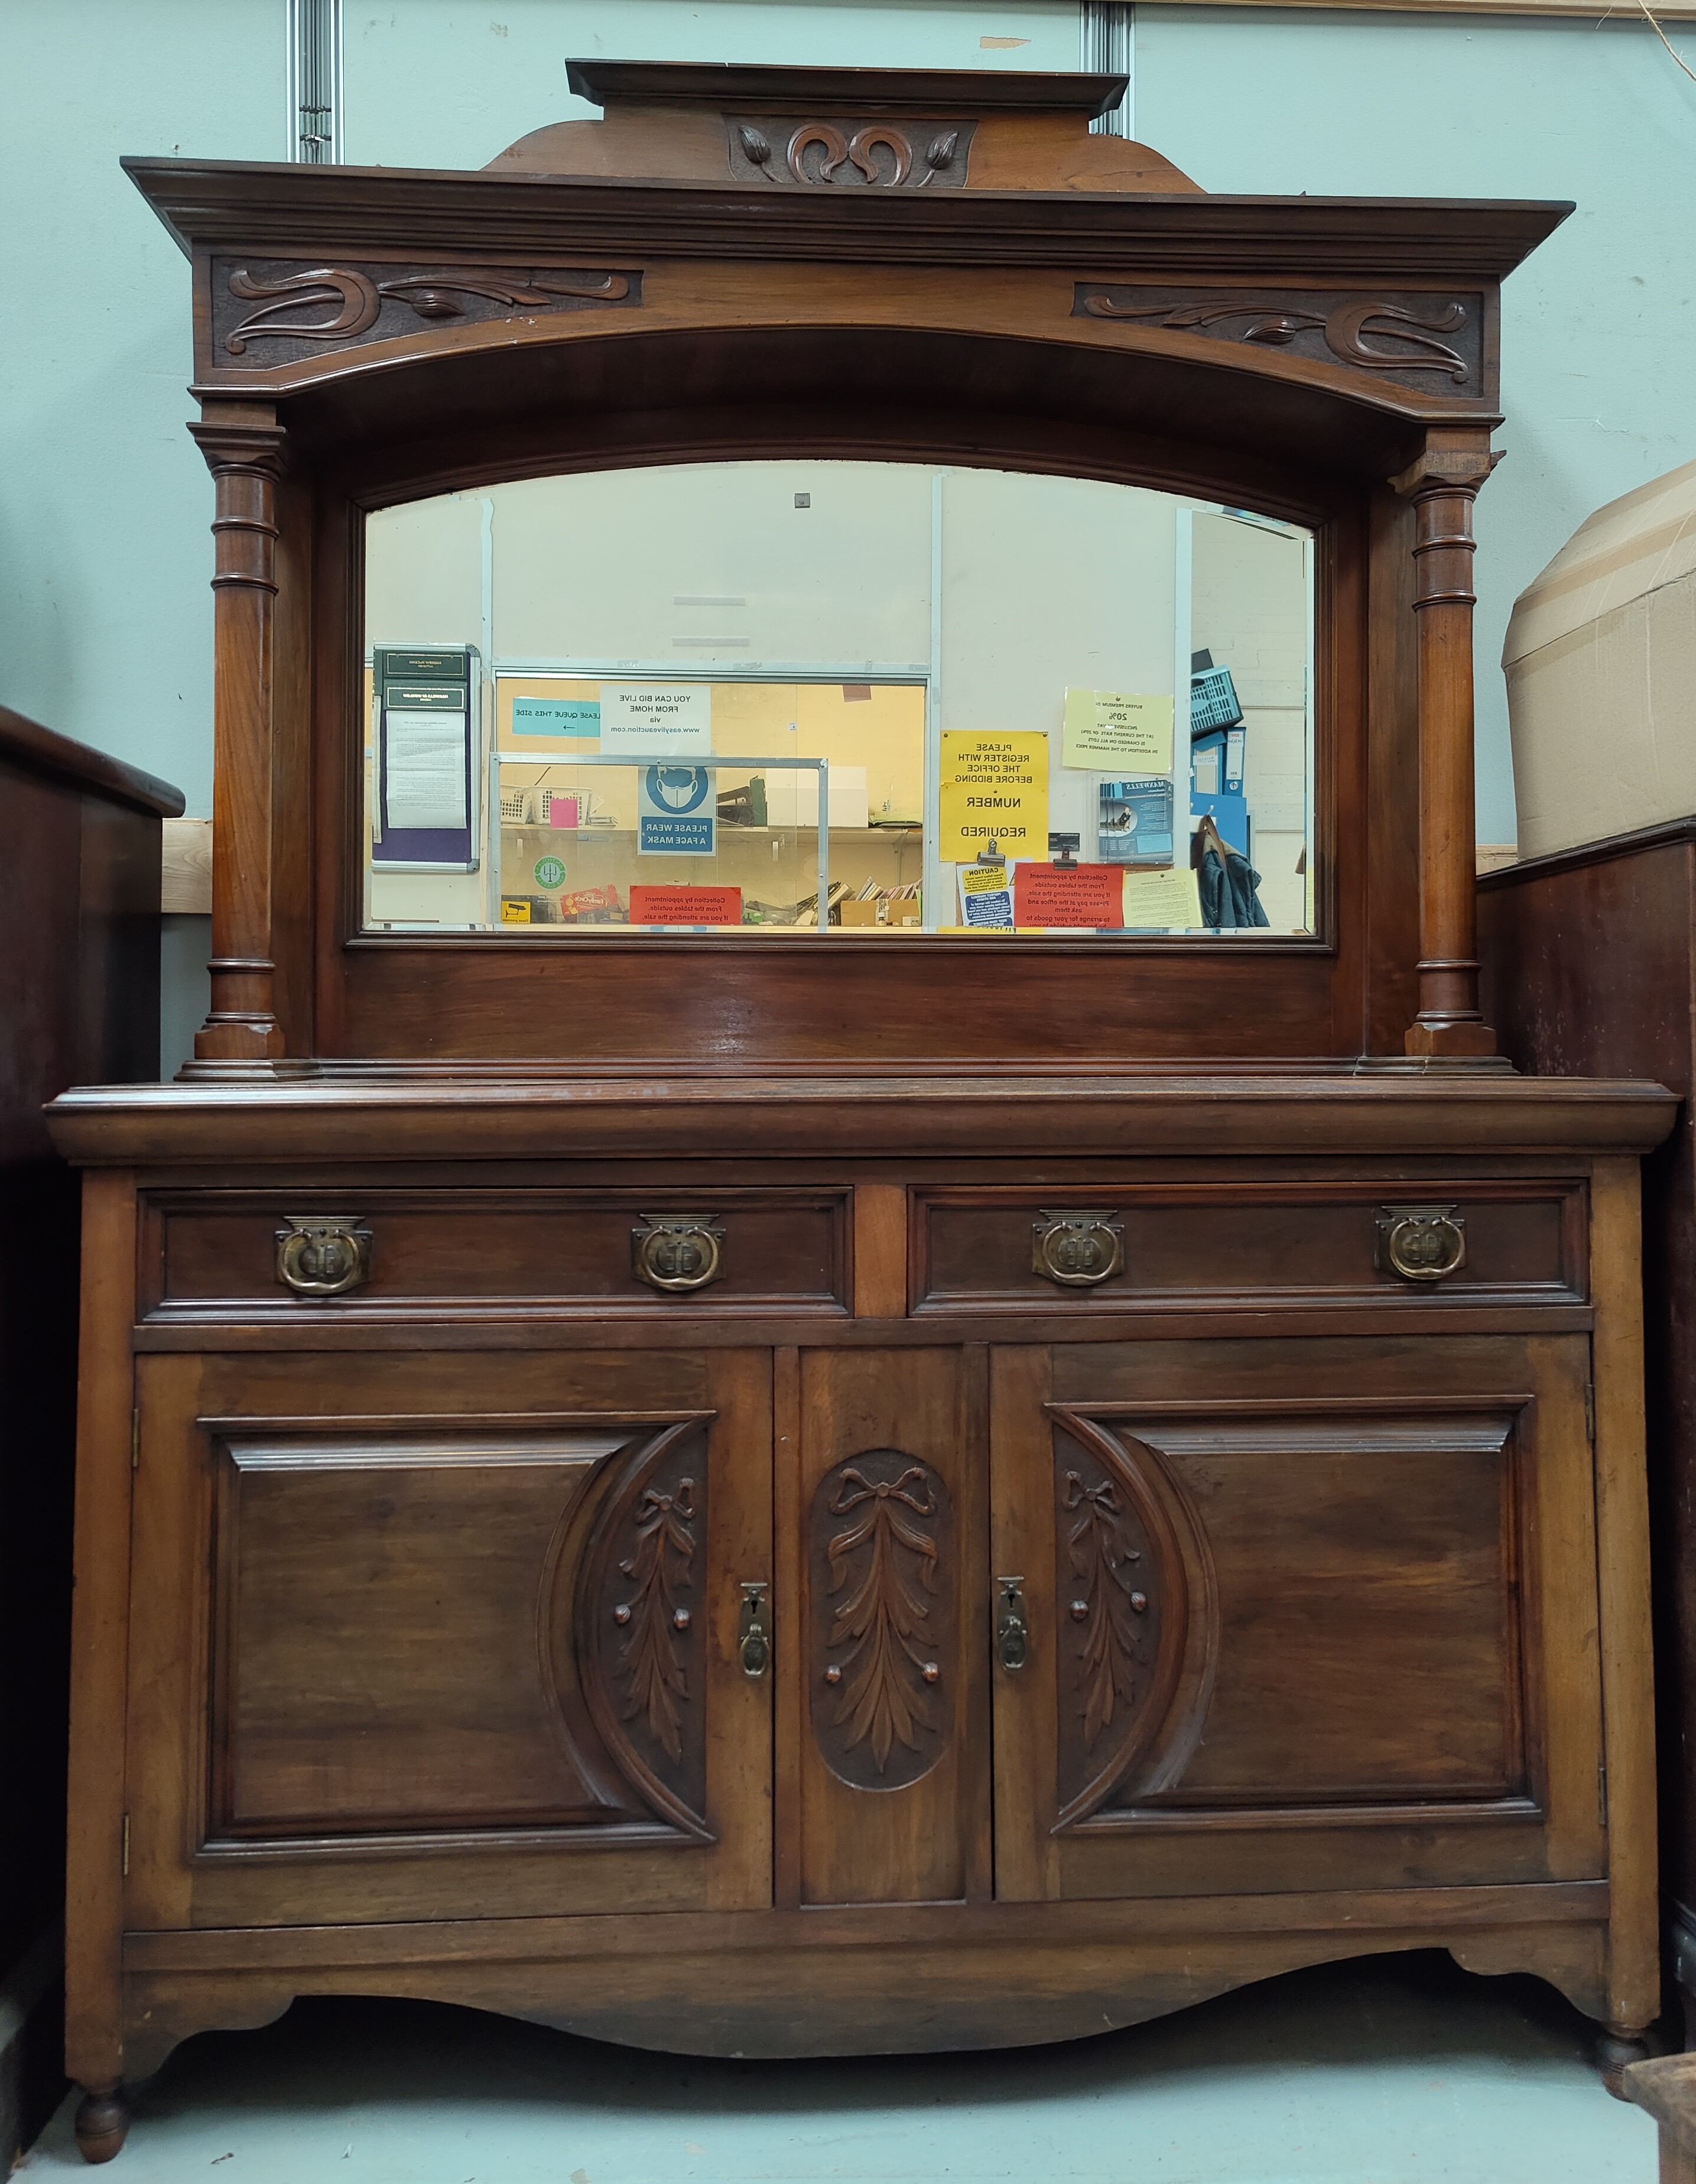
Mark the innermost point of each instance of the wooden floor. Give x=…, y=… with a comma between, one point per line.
x=1399, y=2070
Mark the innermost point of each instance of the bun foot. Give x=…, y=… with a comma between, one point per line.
x=102, y=2124
x=1614, y=2051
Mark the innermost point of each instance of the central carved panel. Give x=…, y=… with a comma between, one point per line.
x=884, y=1667
x=846, y=153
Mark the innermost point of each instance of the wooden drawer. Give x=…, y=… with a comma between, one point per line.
x=434, y=1252
x=1208, y=1245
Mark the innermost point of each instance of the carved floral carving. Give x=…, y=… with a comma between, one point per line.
x=869, y=155
x=1107, y=1605
x=338, y=306
x=658, y=1566
x=1136, y=1606
x=1395, y=337
x=635, y=1658
x=882, y=1700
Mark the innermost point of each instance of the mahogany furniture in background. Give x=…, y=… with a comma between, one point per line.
x=1590, y=965
x=1137, y=1484
x=79, y=999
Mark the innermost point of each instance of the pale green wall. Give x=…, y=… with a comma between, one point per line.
x=105, y=617
x=438, y=83
x=1598, y=327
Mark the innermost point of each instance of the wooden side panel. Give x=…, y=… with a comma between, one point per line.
x=1622, y=1560
x=411, y=1634
x=889, y=1641
x=94, y=1908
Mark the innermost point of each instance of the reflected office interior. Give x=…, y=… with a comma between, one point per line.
x=798, y=699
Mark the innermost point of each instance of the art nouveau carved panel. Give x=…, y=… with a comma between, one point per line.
x=1430, y=341
x=267, y=311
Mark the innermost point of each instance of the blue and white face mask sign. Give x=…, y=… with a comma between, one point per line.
x=676, y=814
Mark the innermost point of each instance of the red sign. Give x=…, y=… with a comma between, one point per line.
x=1054, y=895
x=685, y=906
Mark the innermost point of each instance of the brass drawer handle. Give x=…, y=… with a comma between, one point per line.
x=1421, y=1242
x=1012, y=1630
x=1077, y=1249
x=323, y=1255
x=754, y=1636
x=677, y=1252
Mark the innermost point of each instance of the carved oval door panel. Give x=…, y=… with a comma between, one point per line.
x=1134, y=1583
x=883, y=1584
x=629, y=1607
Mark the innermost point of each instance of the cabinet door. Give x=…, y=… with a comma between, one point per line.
x=429, y=1635
x=1303, y=1615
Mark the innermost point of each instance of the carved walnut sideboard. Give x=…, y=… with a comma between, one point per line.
x=703, y=1451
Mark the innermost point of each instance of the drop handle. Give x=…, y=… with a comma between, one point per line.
x=754, y=1633
x=1012, y=1630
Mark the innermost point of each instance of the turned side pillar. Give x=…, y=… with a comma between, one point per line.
x=1442, y=485
x=244, y=447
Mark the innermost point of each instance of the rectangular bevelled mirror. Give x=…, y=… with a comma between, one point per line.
x=803, y=698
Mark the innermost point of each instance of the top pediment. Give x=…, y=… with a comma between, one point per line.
x=887, y=130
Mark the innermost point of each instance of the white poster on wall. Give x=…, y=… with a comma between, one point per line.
x=423, y=773
x=656, y=719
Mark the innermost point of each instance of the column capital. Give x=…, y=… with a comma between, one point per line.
x=1450, y=461
x=241, y=435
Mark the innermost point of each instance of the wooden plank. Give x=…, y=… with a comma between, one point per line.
x=1622, y=1570
x=788, y=1637
x=94, y=1895
x=880, y=1250
x=186, y=868
x=1021, y=1545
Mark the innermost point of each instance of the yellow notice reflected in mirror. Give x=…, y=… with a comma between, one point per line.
x=1117, y=731
x=1164, y=900
x=994, y=788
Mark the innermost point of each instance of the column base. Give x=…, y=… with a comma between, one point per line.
x=1461, y=1038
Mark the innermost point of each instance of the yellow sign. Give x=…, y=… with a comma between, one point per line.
x=1163, y=899
x=994, y=788
x=514, y=912
x=1116, y=732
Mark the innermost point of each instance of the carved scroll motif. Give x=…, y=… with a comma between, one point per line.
x=863, y=155
x=377, y=302
x=1391, y=337
x=883, y=1701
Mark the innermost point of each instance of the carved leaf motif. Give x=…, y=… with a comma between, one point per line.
x=434, y=299
x=1111, y=1646
x=654, y=1675
x=885, y=1620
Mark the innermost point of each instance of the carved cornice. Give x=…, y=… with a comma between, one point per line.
x=269, y=311
x=357, y=213
x=1429, y=342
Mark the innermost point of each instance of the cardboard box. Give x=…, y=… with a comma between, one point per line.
x=1600, y=659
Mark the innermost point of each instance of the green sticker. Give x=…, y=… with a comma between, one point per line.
x=550, y=873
